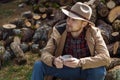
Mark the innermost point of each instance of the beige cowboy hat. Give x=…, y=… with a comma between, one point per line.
x=79, y=11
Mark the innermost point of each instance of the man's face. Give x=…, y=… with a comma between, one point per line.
x=73, y=25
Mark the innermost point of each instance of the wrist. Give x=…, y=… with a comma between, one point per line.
x=79, y=63
x=53, y=62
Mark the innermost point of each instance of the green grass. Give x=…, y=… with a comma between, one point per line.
x=11, y=71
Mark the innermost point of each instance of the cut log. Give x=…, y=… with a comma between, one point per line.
x=102, y=9
x=28, y=23
x=8, y=30
x=113, y=14
x=115, y=37
x=111, y=4
x=115, y=47
x=44, y=16
x=42, y=10
x=116, y=25
x=115, y=34
x=36, y=16
x=9, y=26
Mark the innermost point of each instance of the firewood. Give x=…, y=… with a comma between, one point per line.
x=117, y=2
x=106, y=30
x=17, y=40
x=44, y=16
x=17, y=50
x=9, y=26
x=27, y=14
x=8, y=40
x=116, y=25
x=24, y=46
x=115, y=34
x=27, y=23
x=42, y=10
x=102, y=10
x=113, y=14
x=92, y=2
x=18, y=22
x=37, y=25
x=36, y=16
x=27, y=34
x=111, y=4
x=35, y=48
x=1, y=61
x=8, y=30
x=115, y=37
x=115, y=47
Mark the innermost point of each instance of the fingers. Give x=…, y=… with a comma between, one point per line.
x=58, y=62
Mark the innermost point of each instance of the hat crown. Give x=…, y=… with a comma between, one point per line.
x=82, y=9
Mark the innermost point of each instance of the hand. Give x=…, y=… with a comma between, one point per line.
x=72, y=62
x=58, y=62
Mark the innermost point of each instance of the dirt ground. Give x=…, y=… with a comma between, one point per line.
x=9, y=11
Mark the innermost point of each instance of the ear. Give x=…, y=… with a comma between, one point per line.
x=84, y=23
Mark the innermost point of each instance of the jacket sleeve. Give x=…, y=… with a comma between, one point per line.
x=101, y=55
x=47, y=54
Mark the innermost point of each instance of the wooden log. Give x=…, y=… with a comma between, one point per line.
x=8, y=30
x=115, y=37
x=111, y=4
x=114, y=62
x=27, y=34
x=20, y=57
x=1, y=61
x=115, y=47
x=17, y=50
x=102, y=10
x=18, y=22
x=28, y=23
x=106, y=30
x=116, y=25
x=117, y=2
x=9, y=26
x=8, y=41
x=113, y=14
x=36, y=16
x=42, y=10
x=27, y=14
x=44, y=16
x=115, y=34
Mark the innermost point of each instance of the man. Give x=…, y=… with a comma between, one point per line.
x=79, y=38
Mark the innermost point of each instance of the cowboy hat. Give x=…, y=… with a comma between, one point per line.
x=80, y=11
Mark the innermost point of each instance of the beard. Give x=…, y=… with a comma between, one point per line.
x=70, y=28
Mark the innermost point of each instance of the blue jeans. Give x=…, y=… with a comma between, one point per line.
x=40, y=70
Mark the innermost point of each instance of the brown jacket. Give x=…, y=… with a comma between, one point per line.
x=99, y=52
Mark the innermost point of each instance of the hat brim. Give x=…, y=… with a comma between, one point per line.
x=74, y=16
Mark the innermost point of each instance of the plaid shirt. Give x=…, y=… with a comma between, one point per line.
x=77, y=47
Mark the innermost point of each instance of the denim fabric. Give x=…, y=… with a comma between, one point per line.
x=40, y=70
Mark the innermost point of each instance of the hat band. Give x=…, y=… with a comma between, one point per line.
x=78, y=14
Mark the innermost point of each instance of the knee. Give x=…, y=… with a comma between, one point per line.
x=98, y=72
x=38, y=64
